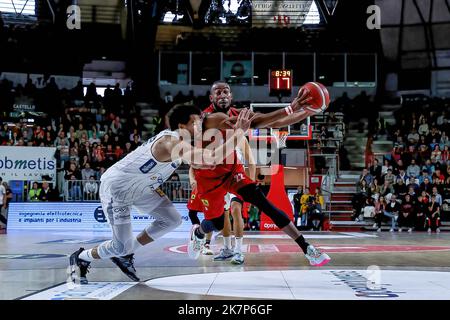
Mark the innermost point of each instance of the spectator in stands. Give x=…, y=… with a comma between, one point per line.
x=379, y=208
x=386, y=165
x=33, y=194
x=406, y=216
x=91, y=189
x=338, y=135
x=118, y=152
x=363, y=188
x=421, y=210
x=73, y=171
x=94, y=138
x=375, y=187
x=426, y=186
x=98, y=156
x=413, y=183
x=116, y=126
x=315, y=211
x=437, y=175
x=304, y=209
x=424, y=129
x=433, y=215
x=135, y=132
x=358, y=201
x=297, y=204
x=413, y=137
x=389, y=177
x=47, y=193
x=392, y=210
x=87, y=172
x=127, y=149
x=74, y=189
x=366, y=176
x=136, y=143
x=386, y=188
x=445, y=154
x=400, y=189
x=175, y=188
x=436, y=154
x=424, y=176
x=402, y=175
x=413, y=169
x=375, y=169
x=80, y=132
x=324, y=135
x=444, y=141
x=435, y=193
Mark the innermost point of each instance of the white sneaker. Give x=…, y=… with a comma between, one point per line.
x=410, y=230
x=438, y=230
x=391, y=230
x=195, y=244
x=379, y=230
x=207, y=250
x=374, y=225
x=238, y=258
x=429, y=230
x=400, y=229
x=315, y=257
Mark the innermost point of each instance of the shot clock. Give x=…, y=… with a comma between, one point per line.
x=280, y=83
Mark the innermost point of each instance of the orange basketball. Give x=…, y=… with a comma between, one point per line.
x=320, y=97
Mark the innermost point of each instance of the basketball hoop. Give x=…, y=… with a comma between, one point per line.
x=280, y=138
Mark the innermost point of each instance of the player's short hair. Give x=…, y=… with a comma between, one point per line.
x=219, y=82
x=181, y=114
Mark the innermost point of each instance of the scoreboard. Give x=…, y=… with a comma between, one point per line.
x=280, y=82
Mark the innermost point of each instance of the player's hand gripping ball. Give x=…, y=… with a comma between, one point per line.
x=320, y=98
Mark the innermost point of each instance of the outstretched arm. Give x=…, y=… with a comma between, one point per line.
x=215, y=153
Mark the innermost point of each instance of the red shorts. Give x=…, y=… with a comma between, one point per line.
x=213, y=185
x=195, y=204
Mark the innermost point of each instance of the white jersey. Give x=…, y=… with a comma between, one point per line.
x=138, y=173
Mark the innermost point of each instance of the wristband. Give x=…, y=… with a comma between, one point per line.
x=289, y=110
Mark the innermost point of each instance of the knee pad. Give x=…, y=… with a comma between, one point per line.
x=213, y=224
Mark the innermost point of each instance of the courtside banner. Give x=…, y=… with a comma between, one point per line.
x=27, y=163
x=77, y=216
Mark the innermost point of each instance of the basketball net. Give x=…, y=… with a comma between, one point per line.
x=280, y=138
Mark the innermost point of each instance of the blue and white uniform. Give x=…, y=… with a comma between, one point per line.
x=135, y=181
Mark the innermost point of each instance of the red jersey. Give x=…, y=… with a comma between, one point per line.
x=231, y=112
x=214, y=183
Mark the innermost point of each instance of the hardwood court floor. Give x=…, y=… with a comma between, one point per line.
x=33, y=265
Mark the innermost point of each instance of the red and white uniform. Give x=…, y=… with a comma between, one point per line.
x=214, y=184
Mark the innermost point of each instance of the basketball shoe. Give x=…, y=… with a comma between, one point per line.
x=78, y=267
x=316, y=257
x=224, y=254
x=195, y=244
x=126, y=264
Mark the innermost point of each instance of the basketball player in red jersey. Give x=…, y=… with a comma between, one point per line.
x=221, y=99
x=213, y=184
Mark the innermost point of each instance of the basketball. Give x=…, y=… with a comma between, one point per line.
x=320, y=97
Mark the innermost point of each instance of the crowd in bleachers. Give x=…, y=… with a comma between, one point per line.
x=90, y=132
x=411, y=186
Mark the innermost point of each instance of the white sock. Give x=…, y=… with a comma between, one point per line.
x=227, y=242
x=238, y=246
x=86, y=255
